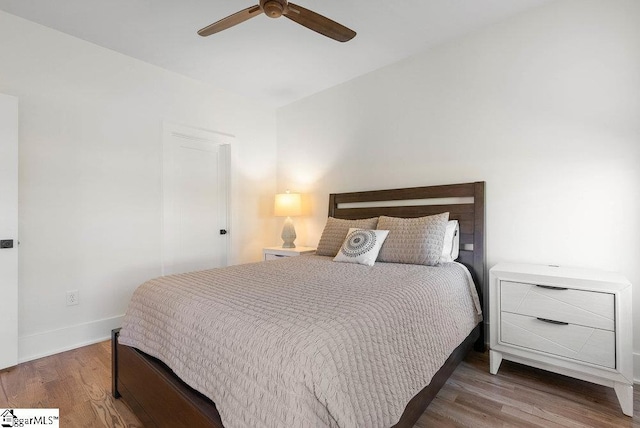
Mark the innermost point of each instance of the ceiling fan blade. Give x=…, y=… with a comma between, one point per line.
x=230, y=21
x=319, y=23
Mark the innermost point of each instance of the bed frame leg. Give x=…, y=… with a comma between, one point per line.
x=479, y=345
x=114, y=362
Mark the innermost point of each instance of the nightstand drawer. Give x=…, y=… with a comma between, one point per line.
x=578, y=342
x=585, y=308
x=273, y=256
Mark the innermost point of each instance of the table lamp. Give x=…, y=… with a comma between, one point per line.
x=288, y=205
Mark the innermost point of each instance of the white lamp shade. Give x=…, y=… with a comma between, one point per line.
x=287, y=205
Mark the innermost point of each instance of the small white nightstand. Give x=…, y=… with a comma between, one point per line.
x=576, y=322
x=272, y=253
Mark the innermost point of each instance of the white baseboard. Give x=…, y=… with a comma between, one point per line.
x=636, y=368
x=51, y=342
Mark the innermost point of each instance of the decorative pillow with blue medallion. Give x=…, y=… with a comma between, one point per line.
x=361, y=246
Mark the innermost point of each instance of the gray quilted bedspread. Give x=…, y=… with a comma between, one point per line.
x=305, y=341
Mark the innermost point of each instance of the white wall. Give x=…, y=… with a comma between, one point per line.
x=90, y=159
x=544, y=107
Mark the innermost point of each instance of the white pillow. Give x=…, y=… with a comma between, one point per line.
x=451, y=247
x=361, y=246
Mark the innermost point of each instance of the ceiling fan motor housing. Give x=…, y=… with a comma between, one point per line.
x=273, y=8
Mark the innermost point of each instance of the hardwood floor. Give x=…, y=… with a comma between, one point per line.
x=78, y=382
x=521, y=396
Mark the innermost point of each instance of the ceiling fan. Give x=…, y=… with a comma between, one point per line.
x=278, y=8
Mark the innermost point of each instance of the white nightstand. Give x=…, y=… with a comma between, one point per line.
x=575, y=322
x=271, y=253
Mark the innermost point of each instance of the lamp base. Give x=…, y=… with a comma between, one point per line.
x=288, y=234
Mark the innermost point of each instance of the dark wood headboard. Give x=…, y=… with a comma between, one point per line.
x=464, y=202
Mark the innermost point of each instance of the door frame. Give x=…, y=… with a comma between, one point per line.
x=169, y=131
x=9, y=230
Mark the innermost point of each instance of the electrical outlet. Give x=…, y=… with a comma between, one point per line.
x=73, y=297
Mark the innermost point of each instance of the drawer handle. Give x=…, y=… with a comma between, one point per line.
x=551, y=287
x=553, y=321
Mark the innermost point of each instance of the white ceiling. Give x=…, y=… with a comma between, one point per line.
x=275, y=61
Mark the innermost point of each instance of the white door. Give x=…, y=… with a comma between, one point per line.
x=195, y=199
x=8, y=231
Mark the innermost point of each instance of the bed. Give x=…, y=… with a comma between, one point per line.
x=160, y=398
